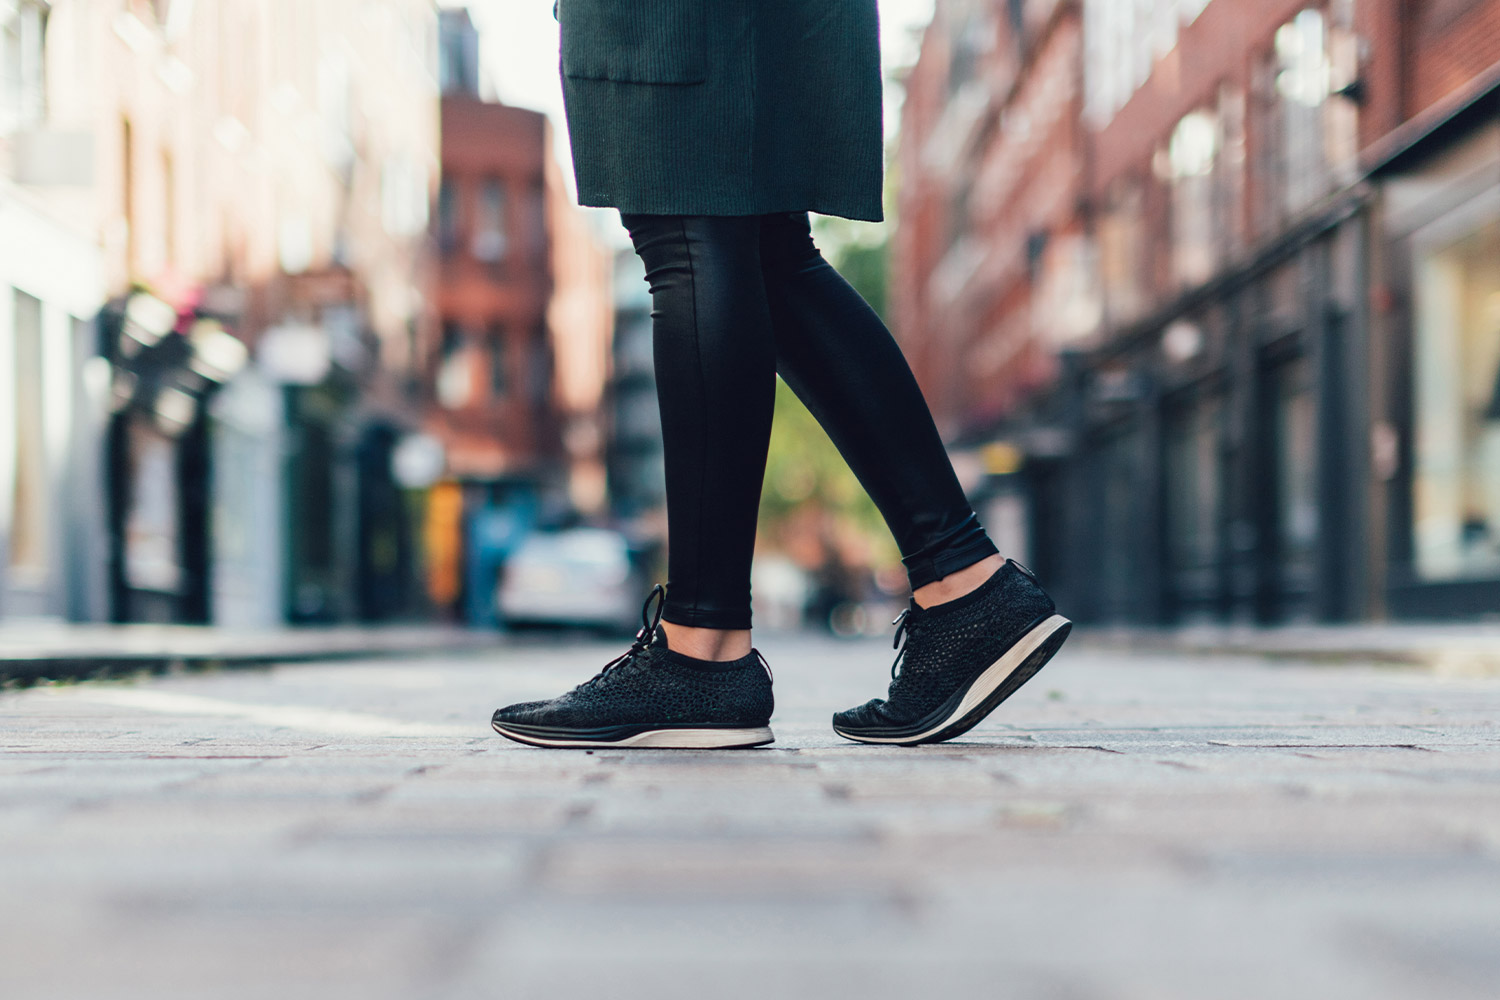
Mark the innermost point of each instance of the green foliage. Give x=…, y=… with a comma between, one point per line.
x=805, y=469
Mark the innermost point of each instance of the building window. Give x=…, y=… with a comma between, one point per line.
x=31, y=529
x=1302, y=82
x=455, y=372
x=1123, y=41
x=1191, y=157
x=536, y=218
x=23, y=25
x=1120, y=246
x=969, y=43
x=1456, y=488
x=404, y=195
x=540, y=366
x=458, y=54
x=499, y=365
x=489, y=241
x=169, y=208
x=448, y=220
x=153, y=10
x=127, y=196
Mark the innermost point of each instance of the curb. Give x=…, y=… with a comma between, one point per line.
x=93, y=659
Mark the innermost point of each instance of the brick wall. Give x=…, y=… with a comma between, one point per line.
x=980, y=313
x=499, y=305
x=1453, y=41
x=990, y=174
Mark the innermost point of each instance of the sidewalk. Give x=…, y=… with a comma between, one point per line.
x=1453, y=649
x=32, y=651
x=1128, y=826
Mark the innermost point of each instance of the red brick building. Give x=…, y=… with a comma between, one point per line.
x=516, y=375
x=1272, y=297
x=517, y=372
x=490, y=368
x=991, y=142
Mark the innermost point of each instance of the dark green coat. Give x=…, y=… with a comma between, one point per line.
x=724, y=107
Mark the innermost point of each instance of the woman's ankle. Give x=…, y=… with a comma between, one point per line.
x=958, y=583
x=707, y=643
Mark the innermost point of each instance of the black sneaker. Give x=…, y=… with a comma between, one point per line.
x=652, y=696
x=961, y=659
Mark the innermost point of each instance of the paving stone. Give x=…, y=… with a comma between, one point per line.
x=1131, y=826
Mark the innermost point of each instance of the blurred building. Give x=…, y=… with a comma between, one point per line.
x=992, y=142
x=52, y=283
x=637, y=470
x=516, y=375
x=1219, y=278
x=253, y=180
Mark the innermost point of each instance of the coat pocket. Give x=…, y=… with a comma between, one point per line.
x=634, y=41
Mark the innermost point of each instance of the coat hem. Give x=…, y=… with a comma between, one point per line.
x=817, y=206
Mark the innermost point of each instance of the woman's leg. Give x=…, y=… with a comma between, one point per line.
x=839, y=358
x=716, y=383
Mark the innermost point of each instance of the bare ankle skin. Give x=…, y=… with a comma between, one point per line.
x=707, y=643
x=957, y=583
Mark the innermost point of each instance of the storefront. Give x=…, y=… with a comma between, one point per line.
x=1214, y=468
x=51, y=404
x=167, y=366
x=1441, y=200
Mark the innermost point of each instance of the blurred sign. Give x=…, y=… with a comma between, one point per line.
x=1001, y=458
x=418, y=461
x=295, y=353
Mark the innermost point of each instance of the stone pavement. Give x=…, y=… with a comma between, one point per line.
x=1133, y=826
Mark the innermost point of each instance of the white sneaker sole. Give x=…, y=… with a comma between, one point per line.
x=662, y=739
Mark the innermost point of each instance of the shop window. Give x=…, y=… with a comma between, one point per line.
x=152, y=552
x=1119, y=529
x=1294, y=434
x=1456, y=488
x=1194, y=499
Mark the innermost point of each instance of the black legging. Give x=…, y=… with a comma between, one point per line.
x=735, y=300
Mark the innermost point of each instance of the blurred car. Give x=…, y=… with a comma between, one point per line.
x=579, y=576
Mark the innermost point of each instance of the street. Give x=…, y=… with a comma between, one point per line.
x=1128, y=826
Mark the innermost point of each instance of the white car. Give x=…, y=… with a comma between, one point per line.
x=580, y=576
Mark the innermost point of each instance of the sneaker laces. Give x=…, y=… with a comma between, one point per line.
x=649, y=622
x=907, y=627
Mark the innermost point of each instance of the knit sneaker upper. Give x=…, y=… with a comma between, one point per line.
x=653, y=685
x=950, y=644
